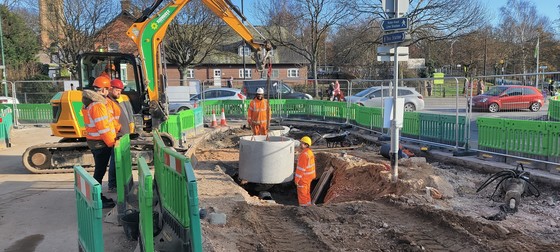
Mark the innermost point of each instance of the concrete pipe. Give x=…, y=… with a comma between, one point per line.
x=266, y=161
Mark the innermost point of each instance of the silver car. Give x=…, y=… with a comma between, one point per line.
x=373, y=97
x=208, y=94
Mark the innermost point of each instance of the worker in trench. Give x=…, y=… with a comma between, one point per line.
x=305, y=172
x=259, y=114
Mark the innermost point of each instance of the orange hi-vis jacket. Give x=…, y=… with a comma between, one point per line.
x=97, y=119
x=257, y=112
x=115, y=110
x=305, y=171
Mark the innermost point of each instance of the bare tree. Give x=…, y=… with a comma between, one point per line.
x=192, y=36
x=74, y=24
x=521, y=25
x=303, y=25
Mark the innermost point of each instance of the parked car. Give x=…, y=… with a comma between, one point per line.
x=8, y=100
x=508, y=97
x=279, y=90
x=209, y=94
x=373, y=97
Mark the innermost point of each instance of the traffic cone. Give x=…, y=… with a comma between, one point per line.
x=214, y=122
x=223, y=120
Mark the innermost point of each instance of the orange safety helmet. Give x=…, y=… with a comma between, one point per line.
x=102, y=82
x=116, y=83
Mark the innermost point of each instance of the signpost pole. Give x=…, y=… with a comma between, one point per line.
x=394, y=128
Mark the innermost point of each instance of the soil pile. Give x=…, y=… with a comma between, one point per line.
x=357, y=179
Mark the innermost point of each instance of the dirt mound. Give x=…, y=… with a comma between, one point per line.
x=358, y=179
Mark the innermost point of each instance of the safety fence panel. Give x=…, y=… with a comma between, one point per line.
x=209, y=106
x=198, y=118
x=276, y=106
x=554, y=109
x=90, y=212
x=295, y=109
x=33, y=113
x=430, y=127
x=371, y=118
x=186, y=124
x=6, y=122
x=145, y=204
x=123, y=169
x=491, y=134
x=452, y=129
x=233, y=109
x=178, y=194
x=527, y=138
x=553, y=129
x=411, y=125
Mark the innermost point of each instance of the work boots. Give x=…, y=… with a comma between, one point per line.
x=107, y=202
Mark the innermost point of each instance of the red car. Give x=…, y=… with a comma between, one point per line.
x=509, y=97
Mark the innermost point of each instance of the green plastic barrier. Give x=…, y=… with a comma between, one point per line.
x=449, y=130
x=411, y=124
x=491, y=134
x=172, y=126
x=553, y=129
x=6, y=122
x=367, y=117
x=34, y=113
x=430, y=127
x=178, y=194
x=90, y=214
x=198, y=118
x=145, y=204
x=123, y=170
x=554, y=109
x=527, y=138
x=233, y=109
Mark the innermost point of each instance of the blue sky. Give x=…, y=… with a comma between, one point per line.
x=547, y=8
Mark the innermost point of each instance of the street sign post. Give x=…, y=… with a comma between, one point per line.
x=392, y=38
x=395, y=24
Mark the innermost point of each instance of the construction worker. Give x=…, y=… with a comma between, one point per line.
x=121, y=122
x=259, y=114
x=100, y=129
x=107, y=72
x=305, y=172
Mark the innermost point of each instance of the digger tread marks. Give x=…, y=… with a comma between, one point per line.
x=278, y=229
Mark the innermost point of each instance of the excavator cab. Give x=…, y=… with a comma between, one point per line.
x=115, y=66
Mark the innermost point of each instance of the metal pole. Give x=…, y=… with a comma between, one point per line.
x=3, y=60
x=394, y=129
x=537, y=53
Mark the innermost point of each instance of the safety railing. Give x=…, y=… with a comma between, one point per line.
x=178, y=194
x=89, y=209
x=145, y=204
x=123, y=170
x=554, y=109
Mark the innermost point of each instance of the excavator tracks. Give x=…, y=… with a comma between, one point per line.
x=61, y=157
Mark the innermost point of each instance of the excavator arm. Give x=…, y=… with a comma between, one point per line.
x=149, y=30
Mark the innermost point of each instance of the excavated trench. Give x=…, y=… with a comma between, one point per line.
x=431, y=207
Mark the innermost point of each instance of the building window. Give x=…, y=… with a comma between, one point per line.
x=190, y=73
x=247, y=73
x=293, y=73
x=275, y=74
x=244, y=50
x=217, y=73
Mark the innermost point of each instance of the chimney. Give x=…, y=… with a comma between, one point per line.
x=125, y=5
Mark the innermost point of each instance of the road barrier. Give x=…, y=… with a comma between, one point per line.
x=6, y=122
x=178, y=194
x=145, y=204
x=123, y=170
x=90, y=214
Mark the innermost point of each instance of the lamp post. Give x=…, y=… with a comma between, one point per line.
x=3, y=60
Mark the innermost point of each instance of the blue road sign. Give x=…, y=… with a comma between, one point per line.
x=392, y=38
x=395, y=24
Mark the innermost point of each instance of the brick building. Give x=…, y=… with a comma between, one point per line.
x=226, y=63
